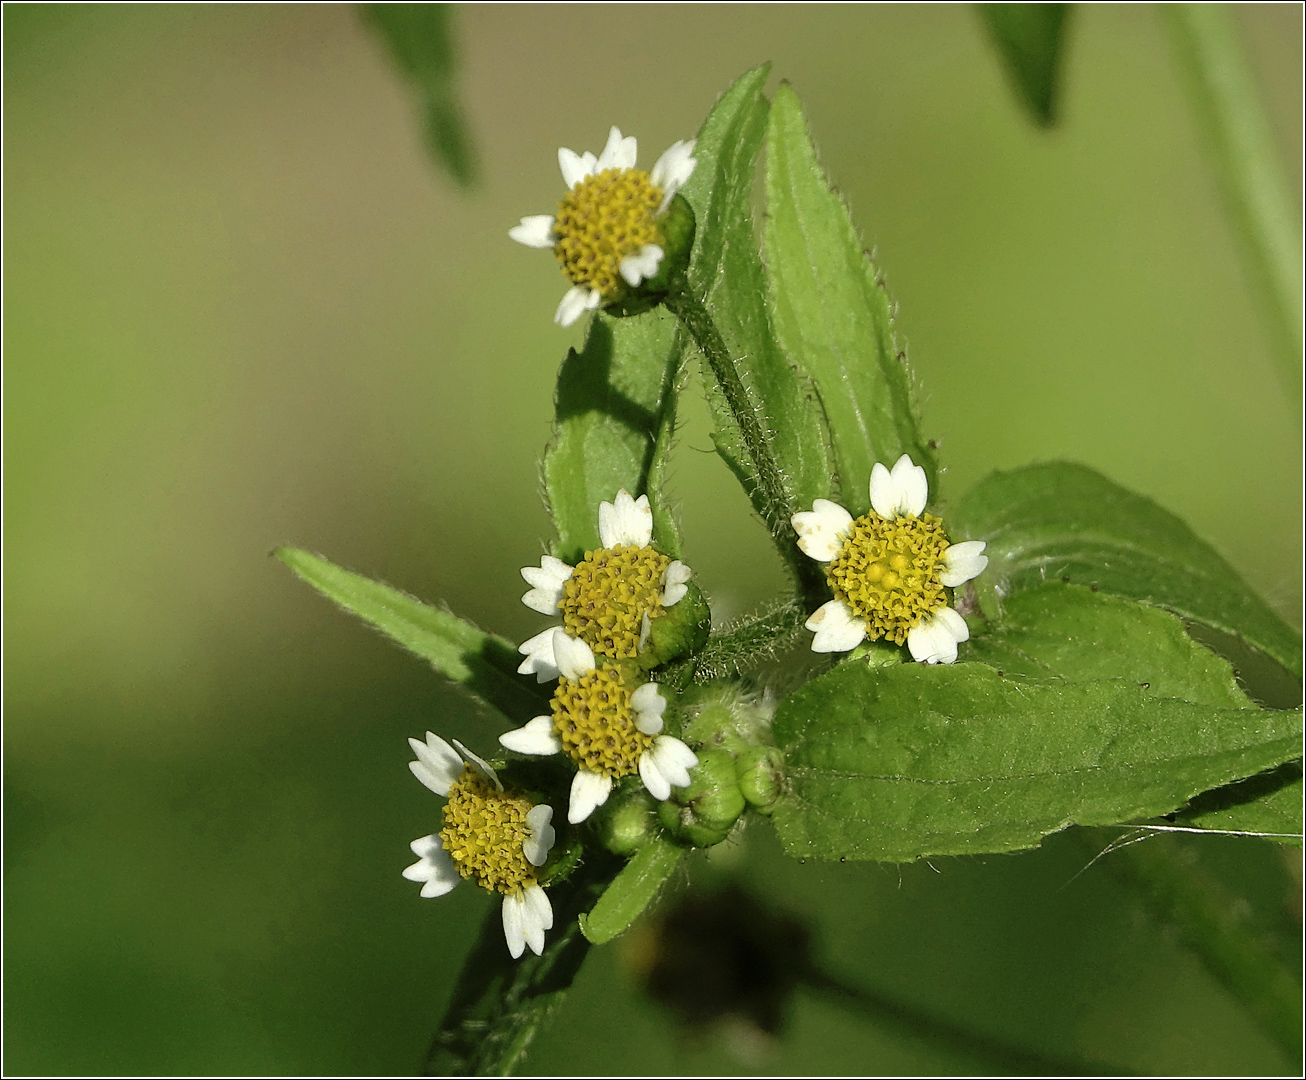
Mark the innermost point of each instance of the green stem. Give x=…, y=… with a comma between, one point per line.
x=766, y=471
x=1250, y=170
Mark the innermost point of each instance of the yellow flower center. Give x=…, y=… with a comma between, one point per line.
x=603, y=219
x=596, y=723
x=484, y=829
x=887, y=572
x=609, y=593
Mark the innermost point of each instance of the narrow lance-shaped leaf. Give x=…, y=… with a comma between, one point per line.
x=1030, y=39
x=481, y=663
x=910, y=761
x=726, y=270
x=631, y=891
x=1061, y=520
x=421, y=42
x=832, y=314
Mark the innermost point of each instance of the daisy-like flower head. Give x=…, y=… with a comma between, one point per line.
x=610, y=598
x=608, y=730
x=608, y=233
x=889, y=569
x=496, y=838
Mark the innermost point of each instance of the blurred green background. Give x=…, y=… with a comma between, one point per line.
x=243, y=308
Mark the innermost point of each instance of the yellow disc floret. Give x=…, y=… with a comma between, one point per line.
x=594, y=719
x=484, y=829
x=609, y=593
x=887, y=572
x=604, y=218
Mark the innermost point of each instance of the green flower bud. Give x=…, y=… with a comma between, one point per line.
x=704, y=813
x=761, y=776
x=625, y=823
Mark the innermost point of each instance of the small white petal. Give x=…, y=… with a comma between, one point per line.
x=535, y=231
x=822, y=530
x=480, y=764
x=672, y=169
x=934, y=639
x=645, y=628
x=514, y=924
x=546, y=582
x=535, y=737
x=575, y=302
x=589, y=791
x=438, y=764
x=665, y=765
x=575, y=167
x=913, y=487
x=674, y=585
x=963, y=561
x=837, y=630
x=434, y=868
x=642, y=265
x=537, y=916
x=536, y=846
x=649, y=705
x=573, y=657
x=619, y=153
x=625, y=521
x=539, y=660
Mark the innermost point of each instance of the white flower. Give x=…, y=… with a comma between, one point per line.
x=888, y=569
x=507, y=863
x=592, y=710
x=607, y=230
x=612, y=625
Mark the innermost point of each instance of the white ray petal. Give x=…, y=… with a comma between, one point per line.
x=589, y=791
x=575, y=302
x=674, y=583
x=514, y=924
x=438, y=764
x=434, y=869
x=649, y=705
x=535, y=737
x=822, y=529
x=837, y=629
x=619, y=153
x=537, y=917
x=913, y=487
x=642, y=265
x=535, y=231
x=934, y=639
x=546, y=581
x=480, y=764
x=539, y=661
x=573, y=657
x=625, y=521
x=963, y=561
x=672, y=169
x=575, y=167
x=536, y=846
x=665, y=765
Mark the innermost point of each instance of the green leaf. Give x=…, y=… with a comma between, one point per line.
x=726, y=270
x=1070, y=632
x=1031, y=40
x=481, y=663
x=908, y=761
x=631, y=891
x=1268, y=804
x=615, y=406
x=832, y=314
x=1061, y=520
x=421, y=43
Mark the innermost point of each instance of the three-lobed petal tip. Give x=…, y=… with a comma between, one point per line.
x=822, y=529
x=438, y=764
x=649, y=705
x=526, y=916
x=935, y=638
x=536, y=737
x=575, y=302
x=546, y=581
x=589, y=791
x=626, y=521
x=665, y=765
x=573, y=656
x=434, y=869
x=675, y=583
x=535, y=231
x=540, y=660
x=902, y=492
x=536, y=847
x=963, y=561
x=836, y=628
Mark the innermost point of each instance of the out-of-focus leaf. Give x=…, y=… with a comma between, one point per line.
x=421, y=42
x=481, y=663
x=615, y=398
x=631, y=891
x=726, y=270
x=908, y=761
x=1269, y=804
x=1070, y=632
x=1061, y=520
x=1031, y=40
x=832, y=314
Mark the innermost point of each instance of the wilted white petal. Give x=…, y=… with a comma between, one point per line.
x=589, y=790
x=649, y=705
x=573, y=657
x=837, y=630
x=642, y=265
x=575, y=302
x=480, y=764
x=535, y=231
x=963, y=561
x=822, y=529
x=539, y=660
x=546, y=582
x=672, y=169
x=625, y=521
x=438, y=764
x=645, y=628
x=534, y=737
x=433, y=868
x=934, y=639
x=665, y=765
x=674, y=586
x=536, y=846
x=537, y=916
x=575, y=167
x=619, y=153
x=514, y=924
